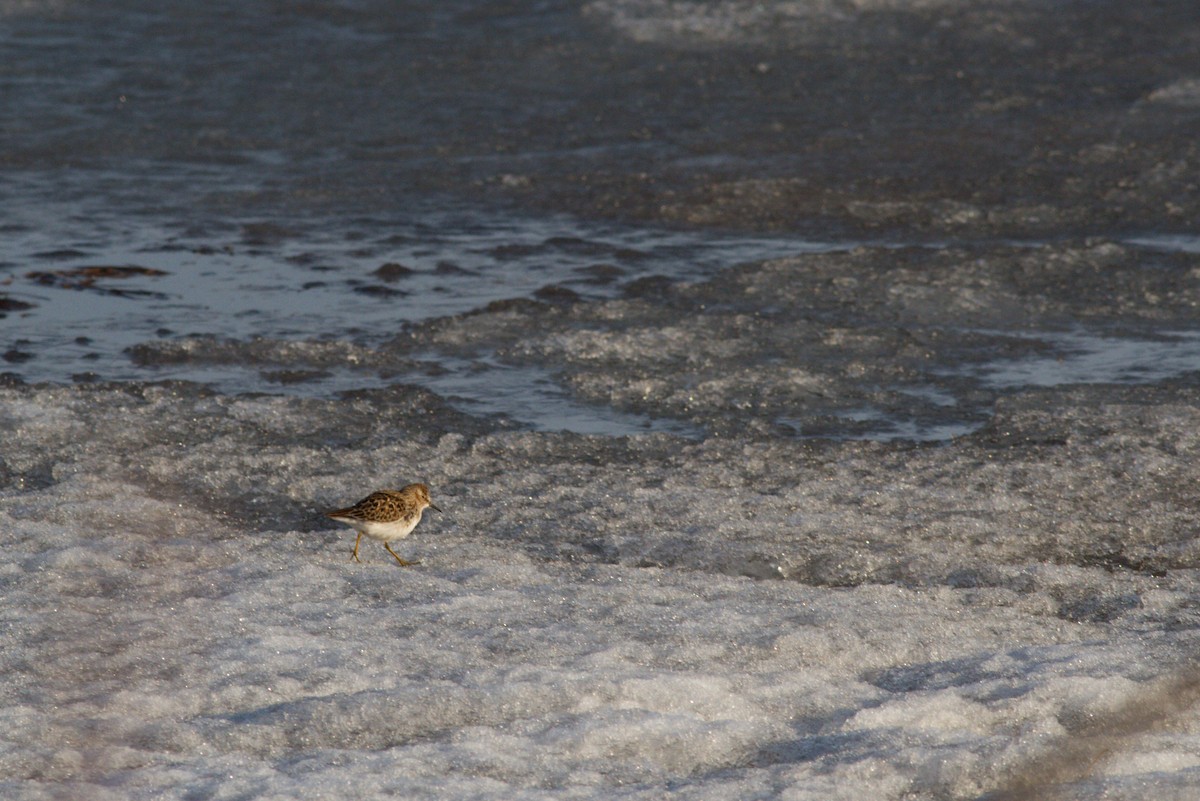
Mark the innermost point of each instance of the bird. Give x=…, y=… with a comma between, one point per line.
x=386, y=515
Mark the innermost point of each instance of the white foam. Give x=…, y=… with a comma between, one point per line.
x=1184, y=92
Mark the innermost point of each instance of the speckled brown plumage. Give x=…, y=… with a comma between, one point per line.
x=386, y=515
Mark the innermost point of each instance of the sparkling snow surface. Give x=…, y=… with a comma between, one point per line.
x=592, y=617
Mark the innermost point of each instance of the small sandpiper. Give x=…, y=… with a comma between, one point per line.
x=386, y=515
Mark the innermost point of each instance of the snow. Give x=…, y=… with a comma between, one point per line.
x=585, y=622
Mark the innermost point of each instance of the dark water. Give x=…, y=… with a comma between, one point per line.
x=341, y=172
x=295, y=173
x=96, y=289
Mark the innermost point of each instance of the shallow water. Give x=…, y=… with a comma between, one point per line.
x=1083, y=357
x=364, y=285
x=361, y=285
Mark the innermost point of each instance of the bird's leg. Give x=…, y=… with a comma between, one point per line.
x=403, y=563
x=356, y=541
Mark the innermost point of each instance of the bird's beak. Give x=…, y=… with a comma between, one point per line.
x=434, y=508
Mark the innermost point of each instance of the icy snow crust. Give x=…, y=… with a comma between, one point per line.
x=737, y=615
